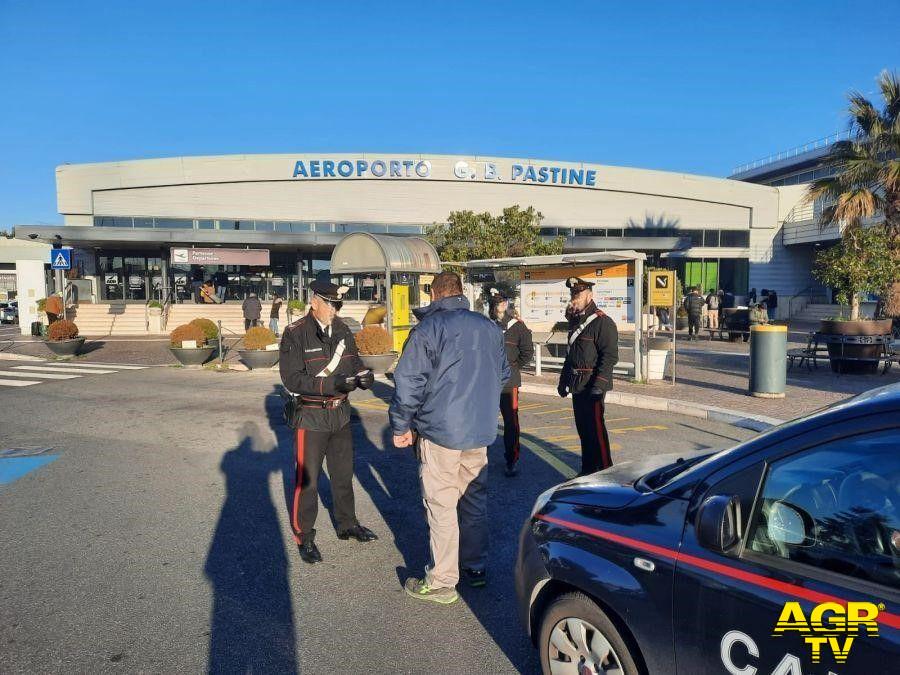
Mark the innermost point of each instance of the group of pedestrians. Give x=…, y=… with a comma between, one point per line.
x=457, y=369
x=698, y=308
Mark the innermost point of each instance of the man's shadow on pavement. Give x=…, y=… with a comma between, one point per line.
x=252, y=616
x=391, y=478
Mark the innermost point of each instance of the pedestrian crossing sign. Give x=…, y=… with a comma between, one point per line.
x=61, y=258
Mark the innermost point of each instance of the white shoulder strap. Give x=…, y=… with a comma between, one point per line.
x=511, y=323
x=574, y=336
x=335, y=361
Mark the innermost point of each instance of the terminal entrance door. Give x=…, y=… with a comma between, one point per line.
x=129, y=278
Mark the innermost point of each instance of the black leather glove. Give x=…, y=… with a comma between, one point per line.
x=366, y=380
x=563, y=390
x=344, y=385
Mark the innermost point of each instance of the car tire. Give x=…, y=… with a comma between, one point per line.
x=577, y=612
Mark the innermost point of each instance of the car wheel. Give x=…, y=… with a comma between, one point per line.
x=577, y=638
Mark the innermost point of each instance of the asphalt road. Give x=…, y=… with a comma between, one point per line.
x=158, y=539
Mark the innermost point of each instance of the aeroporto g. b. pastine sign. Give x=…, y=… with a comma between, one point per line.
x=413, y=169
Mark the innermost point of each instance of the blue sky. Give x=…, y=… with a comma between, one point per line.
x=695, y=87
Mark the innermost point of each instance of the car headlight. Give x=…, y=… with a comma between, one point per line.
x=542, y=500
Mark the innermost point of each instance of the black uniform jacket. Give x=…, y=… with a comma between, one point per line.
x=592, y=355
x=519, y=349
x=305, y=352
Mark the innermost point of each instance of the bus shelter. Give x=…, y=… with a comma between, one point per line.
x=537, y=285
x=403, y=266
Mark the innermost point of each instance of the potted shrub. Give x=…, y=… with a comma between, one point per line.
x=295, y=308
x=681, y=318
x=210, y=330
x=260, y=348
x=860, y=263
x=62, y=338
x=375, y=348
x=188, y=345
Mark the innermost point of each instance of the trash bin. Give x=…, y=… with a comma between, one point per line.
x=36, y=328
x=768, y=361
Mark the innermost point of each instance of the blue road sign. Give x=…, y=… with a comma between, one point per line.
x=61, y=258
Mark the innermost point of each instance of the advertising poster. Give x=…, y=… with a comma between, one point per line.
x=544, y=295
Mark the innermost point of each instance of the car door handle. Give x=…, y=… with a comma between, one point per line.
x=644, y=564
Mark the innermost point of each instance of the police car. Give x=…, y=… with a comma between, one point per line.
x=780, y=555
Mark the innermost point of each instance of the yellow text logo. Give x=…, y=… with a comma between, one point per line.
x=830, y=626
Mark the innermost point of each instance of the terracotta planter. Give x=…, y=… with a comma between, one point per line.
x=855, y=351
x=378, y=363
x=65, y=347
x=257, y=359
x=681, y=323
x=192, y=357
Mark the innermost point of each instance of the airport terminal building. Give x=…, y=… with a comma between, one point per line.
x=271, y=221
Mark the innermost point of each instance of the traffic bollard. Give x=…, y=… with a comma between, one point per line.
x=768, y=361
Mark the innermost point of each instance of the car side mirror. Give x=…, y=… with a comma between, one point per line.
x=787, y=524
x=719, y=523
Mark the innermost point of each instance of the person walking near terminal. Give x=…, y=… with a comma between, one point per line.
x=320, y=365
x=277, y=302
x=587, y=372
x=772, y=305
x=694, y=304
x=252, y=309
x=712, y=306
x=447, y=390
x=519, y=352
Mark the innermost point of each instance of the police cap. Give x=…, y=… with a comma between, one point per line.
x=576, y=285
x=328, y=291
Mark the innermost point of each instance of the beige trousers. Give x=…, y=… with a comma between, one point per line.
x=454, y=489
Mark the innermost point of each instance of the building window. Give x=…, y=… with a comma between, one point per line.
x=735, y=238
x=693, y=237
x=206, y=224
x=297, y=226
x=710, y=238
x=264, y=225
x=590, y=232
x=174, y=223
x=614, y=232
x=143, y=222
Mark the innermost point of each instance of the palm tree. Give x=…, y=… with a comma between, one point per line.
x=866, y=175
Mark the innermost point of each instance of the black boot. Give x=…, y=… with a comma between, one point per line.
x=309, y=552
x=359, y=533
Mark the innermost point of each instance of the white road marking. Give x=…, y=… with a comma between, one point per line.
x=46, y=376
x=54, y=369
x=18, y=383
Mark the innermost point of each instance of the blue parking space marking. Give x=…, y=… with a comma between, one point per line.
x=13, y=468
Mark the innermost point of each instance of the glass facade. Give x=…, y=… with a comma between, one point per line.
x=695, y=238
x=283, y=226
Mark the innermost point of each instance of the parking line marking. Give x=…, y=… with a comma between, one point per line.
x=550, y=412
x=531, y=406
x=552, y=426
x=644, y=427
x=550, y=458
x=18, y=383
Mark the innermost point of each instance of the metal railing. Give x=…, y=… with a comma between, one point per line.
x=808, y=295
x=817, y=144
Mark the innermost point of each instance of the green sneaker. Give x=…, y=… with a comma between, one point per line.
x=418, y=589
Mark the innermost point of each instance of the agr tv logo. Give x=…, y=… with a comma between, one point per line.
x=830, y=627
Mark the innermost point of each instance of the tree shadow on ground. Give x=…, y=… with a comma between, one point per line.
x=252, y=617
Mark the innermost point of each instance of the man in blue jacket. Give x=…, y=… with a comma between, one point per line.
x=447, y=391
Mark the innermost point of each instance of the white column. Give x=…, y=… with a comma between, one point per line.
x=31, y=286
